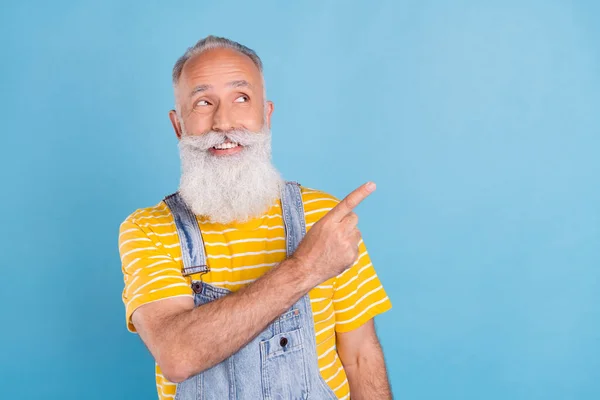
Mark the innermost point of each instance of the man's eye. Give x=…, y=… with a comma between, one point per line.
x=242, y=99
x=202, y=103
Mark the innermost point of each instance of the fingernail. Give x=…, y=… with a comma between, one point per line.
x=370, y=186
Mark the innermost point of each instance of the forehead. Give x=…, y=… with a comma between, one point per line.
x=217, y=67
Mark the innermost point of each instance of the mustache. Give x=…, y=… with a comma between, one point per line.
x=211, y=139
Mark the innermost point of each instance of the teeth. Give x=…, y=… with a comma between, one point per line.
x=225, y=146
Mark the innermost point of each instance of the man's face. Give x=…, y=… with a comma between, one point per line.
x=220, y=90
x=225, y=139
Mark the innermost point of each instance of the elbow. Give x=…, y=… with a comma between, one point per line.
x=175, y=369
x=174, y=378
x=175, y=374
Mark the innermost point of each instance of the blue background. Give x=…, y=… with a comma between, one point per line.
x=479, y=121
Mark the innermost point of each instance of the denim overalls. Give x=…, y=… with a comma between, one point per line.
x=281, y=362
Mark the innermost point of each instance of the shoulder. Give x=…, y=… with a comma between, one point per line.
x=317, y=203
x=148, y=216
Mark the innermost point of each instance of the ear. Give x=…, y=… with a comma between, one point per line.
x=175, y=122
x=269, y=111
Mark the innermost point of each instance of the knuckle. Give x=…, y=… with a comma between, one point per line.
x=350, y=202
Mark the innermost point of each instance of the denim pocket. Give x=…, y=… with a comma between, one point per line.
x=289, y=321
x=284, y=372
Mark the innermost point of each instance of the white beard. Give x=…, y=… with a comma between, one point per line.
x=233, y=188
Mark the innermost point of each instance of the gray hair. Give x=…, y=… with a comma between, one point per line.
x=213, y=42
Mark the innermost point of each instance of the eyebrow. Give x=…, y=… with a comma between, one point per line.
x=235, y=84
x=200, y=89
x=239, y=83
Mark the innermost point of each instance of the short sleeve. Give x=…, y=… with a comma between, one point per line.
x=358, y=294
x=150, y=274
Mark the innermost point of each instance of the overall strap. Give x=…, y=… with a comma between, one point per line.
x=190, y=238
x=293, y=216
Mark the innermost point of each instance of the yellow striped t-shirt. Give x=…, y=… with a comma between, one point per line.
x=238, y=254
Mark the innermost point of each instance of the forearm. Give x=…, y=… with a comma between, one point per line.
x=368, y=378
x=206, y=335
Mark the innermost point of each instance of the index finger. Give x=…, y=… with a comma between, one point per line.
x=350, y=202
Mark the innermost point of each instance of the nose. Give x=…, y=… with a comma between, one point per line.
x=222, y=119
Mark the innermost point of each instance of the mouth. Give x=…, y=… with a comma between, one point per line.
x=225, y=149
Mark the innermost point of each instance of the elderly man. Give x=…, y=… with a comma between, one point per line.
x=242, y=285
